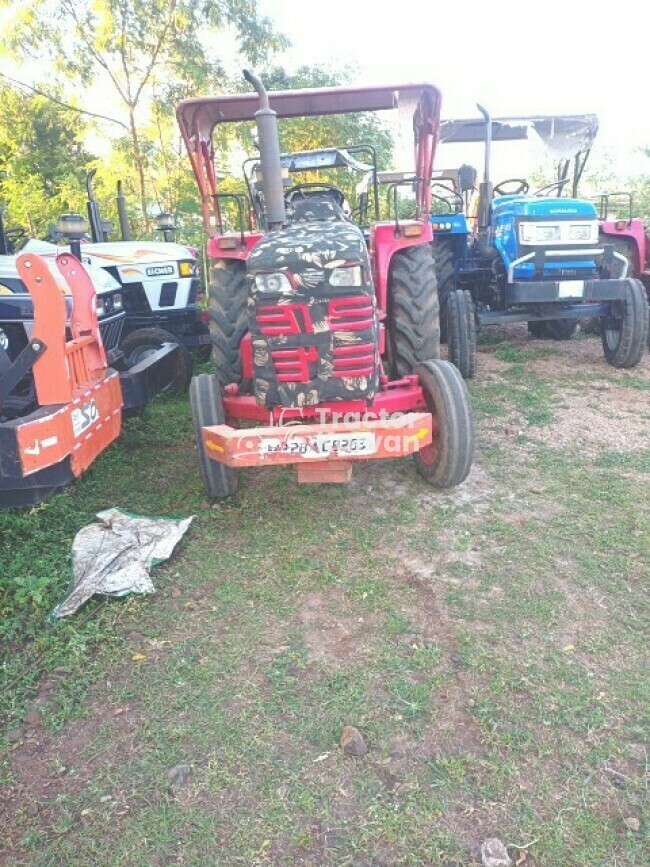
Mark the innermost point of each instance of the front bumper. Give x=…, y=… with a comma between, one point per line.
x=563, y=291
x=154, y=375
x=317, y=444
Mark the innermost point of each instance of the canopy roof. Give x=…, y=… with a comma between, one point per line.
x=563, y=134
x=203, y=114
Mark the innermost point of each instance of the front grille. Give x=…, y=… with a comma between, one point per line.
x=292, y=365
x=111, y=331
x=351, y=314
x=357, y=359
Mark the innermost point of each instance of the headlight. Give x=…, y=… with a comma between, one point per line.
x=118, y=301
x=350, y=276
x=278, y=283
x=101, y=309
x=187, y=269
x=559, y=233
x=583, y=232
x=539, y=233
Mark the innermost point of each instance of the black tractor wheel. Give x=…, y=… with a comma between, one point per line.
x=447, y=461
x=461, y=320
x=142, y=343
x=443, y=255
x=228, y=298
x=413, y=311
x=207, y=409
x=204, y=351
x=561, y=329
x=624, y=334
x=537, y=330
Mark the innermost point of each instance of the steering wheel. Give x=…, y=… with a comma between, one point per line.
x=522, y=187
x=306, y=191
x=558, y=185
x=14, y=237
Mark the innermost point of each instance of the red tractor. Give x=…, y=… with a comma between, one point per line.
x=325, y=333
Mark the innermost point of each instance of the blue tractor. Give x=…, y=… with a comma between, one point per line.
x=504, y=254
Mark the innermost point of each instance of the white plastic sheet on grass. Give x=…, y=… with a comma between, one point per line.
x=113, y=557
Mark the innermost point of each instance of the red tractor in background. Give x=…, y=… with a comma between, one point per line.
x=626, y=234
x=325, y=333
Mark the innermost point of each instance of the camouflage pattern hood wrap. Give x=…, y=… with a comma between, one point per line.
x=312, y=341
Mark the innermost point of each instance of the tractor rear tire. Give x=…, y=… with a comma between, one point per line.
x=143, y=342
x=203, y=352
x=537, y=330
x=461, y=320
x=448, y=460
x=553, y=329
x=207, y=409
x=624, y=336
x=443, y=255
x=560, y=329
x=228, y=310
x=413, y=310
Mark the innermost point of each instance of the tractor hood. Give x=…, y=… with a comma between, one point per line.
x=133, y=261
x=543, y=208
x=11, y=284
x=309, y=253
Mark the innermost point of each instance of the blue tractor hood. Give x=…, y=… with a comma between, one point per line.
x=542, y=208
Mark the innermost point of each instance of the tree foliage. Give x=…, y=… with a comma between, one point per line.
x=139, y=52
x=42, y=160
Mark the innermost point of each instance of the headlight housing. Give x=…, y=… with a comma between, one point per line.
x=118, y=301
x=583, y=232
x=100, y=307
x=350, y=276
x=278, y=283
x=564, y=232
x=188, y=269
x=539, y=233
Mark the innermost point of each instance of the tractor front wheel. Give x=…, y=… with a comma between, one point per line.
x=624, y=334
x=447, y=461
x=413, y=311
x=461, y=332
x=143, y=342
x=207, y=410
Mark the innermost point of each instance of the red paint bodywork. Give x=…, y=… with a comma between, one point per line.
x=634, y=232
x=403, y=398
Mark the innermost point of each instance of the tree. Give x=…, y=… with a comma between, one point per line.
x=42, y=160
x=133, y=47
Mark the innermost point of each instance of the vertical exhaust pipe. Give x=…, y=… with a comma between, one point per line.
x=125, y=229
x=267, y=131
x=486, y=191
x=94, y=217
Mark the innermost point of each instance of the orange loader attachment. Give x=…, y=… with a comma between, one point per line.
x=80, y=398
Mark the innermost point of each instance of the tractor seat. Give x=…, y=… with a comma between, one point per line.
x=321, y=207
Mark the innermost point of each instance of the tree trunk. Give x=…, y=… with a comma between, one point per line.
x=139, y=167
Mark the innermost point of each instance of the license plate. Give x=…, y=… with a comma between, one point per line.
x=322, y=445
x=571, y=288
x=83, y=417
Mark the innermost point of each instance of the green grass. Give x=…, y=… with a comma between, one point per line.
x=491, y=648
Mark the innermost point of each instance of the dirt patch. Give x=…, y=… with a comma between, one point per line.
x=333, y=637
x=591, y=412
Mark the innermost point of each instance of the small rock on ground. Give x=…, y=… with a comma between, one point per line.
x=178, y=777
x=494, y=854
x=352, y=742
x=632, y=823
